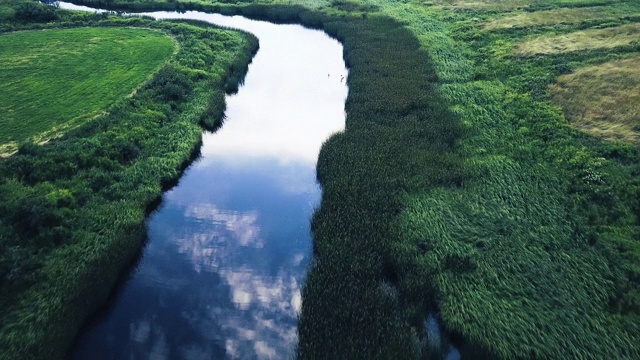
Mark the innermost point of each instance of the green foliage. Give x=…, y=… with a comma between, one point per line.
x=352, y=6
x=34, y=11
x=72, y=211
x=396, y=140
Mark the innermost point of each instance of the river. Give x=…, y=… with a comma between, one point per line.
x=221, y=273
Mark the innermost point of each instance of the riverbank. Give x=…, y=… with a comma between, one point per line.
x=73, y=210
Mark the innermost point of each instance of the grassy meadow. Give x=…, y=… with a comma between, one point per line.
x=463, y=185
x=56, y=79
x=73, y=209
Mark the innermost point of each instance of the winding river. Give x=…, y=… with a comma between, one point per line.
x=229, y=247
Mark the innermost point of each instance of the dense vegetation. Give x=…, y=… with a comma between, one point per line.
x=72, y=211
x=547, y=229
x=54, y=79
x=459, y=188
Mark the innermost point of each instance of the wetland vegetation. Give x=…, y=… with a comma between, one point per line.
x=463, y=185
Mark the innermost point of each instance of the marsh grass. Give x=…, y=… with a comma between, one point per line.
x=591, y=39
x=603, y=99
x=364, y=173
x=547, y=206
x=505, y=250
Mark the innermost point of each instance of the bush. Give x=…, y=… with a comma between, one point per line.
x=35, y=12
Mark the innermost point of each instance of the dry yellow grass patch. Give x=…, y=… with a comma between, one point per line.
x=581, y=40
x=558, y=16
x=503, y=4
x=481, y=4
x=604, y=100
x=8, y=149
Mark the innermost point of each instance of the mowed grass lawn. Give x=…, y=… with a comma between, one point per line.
x=52, y=79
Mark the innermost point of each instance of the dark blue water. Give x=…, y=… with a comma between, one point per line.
x=229, y=247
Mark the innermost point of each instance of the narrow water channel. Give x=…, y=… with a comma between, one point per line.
x=230, y=245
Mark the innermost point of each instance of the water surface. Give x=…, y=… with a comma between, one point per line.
x=229, y=247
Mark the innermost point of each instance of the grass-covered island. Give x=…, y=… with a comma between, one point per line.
x=489, y=174
x=98, y=113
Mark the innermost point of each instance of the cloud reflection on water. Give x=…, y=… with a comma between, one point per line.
x=262, y=321
x=241, y=226
x=239, y=255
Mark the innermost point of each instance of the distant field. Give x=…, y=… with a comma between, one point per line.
x=508, y=4
x=604, y=99
x=560, y=16
x=591, y=39
x=52, y=79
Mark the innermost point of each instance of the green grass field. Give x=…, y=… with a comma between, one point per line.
x=53, y=80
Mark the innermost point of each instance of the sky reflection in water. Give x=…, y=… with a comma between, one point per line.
x=229, y=248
